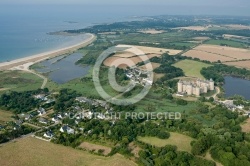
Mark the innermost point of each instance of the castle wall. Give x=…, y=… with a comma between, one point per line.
x=211, y=85
x=205, y=89
x=180, y=87
x=197, y=92
x=184, y=88
x=189, y=89
x=195, y=88
x=194, y=91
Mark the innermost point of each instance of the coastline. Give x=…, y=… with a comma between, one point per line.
x=26, y=62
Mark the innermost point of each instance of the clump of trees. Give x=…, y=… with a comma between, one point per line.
x=19, y=102
x=234, y=154
x=166, y=67
x=224, y=140
x=93, y=52
x=169, y=155
x=65, y=99
x=12, y=134
x=218, y=71
x=181, y=102
x=133, y=26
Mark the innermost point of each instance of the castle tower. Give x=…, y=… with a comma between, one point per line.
x=184, y=88
x=205, y=89
x=194, y=91
x=211, y=84
x=197, y=91
x=198, y=82
x=189, y=89
x=180, y=87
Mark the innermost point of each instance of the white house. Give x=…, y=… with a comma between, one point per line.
x=41, y=111
x=48, y=134
x=43, y=121
x=67, y=129
x=101, y=116
x=27, y=117
x=40, y=96
x=55, y=119
x=89, y=114
x=83, y=100
x=59, y=116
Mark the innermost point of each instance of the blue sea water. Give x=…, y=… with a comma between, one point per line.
x=24, y=28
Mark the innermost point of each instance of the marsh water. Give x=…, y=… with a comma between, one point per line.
x=63, y=69
x=237, y=86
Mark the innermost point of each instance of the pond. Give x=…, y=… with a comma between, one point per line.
x=63, y=69
x=237, y=86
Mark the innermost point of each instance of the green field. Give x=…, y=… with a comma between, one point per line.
x=5, y=116
x=227, y=43
x=182, y=142
x=19, y=81
x=156, y=103
x=171, y=40
x=152, y=102
x=191, y=68
x=187, y=44
x=31, y=151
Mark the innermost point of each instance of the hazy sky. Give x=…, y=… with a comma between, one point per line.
x=131, y=2
x=225, y=7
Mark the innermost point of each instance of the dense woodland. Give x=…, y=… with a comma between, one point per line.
x=143, y=23
x=166, y=67
x=169, y=155
x=65, y=99
x=20, y=102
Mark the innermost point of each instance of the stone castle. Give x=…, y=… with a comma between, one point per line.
x=196, y=88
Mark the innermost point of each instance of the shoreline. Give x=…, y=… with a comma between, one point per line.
x=26, y=62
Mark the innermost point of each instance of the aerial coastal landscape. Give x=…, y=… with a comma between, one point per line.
x=115, y=83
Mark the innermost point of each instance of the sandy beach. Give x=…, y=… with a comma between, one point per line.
x=26, y=62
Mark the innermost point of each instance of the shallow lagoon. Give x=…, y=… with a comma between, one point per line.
x=63, y=69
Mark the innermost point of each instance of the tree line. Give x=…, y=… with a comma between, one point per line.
x=218, y=71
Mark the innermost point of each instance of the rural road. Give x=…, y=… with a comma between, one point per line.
x=26, y=68
x=217, y=92
x=28, y=135
x=45, y=80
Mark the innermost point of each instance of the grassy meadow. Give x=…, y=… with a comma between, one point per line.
x=31, y=151
x=229, y=43
x=191, y=68
x=19, y=81
x=182, y=142
x=5, y=116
